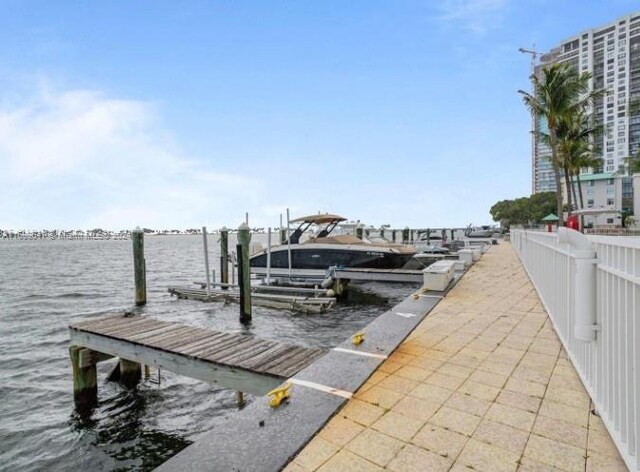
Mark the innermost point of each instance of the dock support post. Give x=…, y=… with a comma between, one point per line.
x=224, y=256
x=340, y=287
x=130, y=373
x=85, y=379
x=240, y=399
x=139, y=266
x=244, y=273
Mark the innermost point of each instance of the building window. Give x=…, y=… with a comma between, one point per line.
x=609, y=221
x=609, y=201
x=610, y=190
x=610, y=181
x=590, y=203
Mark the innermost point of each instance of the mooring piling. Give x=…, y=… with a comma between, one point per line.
x=224, y=255
x=289, y=242
x=269, y=256
x=205, y=247
x=244, y=272
x=283, y=232
x=139, y=267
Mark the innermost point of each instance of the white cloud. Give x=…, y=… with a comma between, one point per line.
x=475, y=15
x=78, y=158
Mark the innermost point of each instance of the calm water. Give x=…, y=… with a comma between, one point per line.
x=46, y=285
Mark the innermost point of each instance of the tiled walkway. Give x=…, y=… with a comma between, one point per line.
x=482, y=384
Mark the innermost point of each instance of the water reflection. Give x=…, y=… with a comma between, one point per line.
x=119, y=428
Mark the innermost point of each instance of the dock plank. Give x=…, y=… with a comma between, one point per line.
x=195, y=350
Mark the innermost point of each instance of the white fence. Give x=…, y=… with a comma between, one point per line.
x=590, y=286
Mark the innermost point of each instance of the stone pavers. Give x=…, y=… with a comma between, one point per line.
x=482, y=384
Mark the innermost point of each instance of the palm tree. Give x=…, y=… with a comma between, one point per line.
x=560, y=94
x=576, y=151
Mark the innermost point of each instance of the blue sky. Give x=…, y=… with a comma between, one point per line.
x=178, y=114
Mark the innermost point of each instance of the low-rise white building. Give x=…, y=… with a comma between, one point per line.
x=606, y=191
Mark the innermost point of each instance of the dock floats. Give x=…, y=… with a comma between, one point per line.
x=287, y=298
x=240, y=362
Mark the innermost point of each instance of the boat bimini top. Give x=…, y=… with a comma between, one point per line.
x=305, y=221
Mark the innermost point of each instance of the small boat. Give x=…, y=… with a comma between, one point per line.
x=482, y=232
x=431, y=242
x=312, y=258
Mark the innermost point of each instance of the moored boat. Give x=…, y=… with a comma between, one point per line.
x=315, y=255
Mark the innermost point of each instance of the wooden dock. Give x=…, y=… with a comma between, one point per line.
x=302, y=303
x=235, y=361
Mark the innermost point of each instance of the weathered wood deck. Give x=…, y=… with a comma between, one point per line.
x=236, y=361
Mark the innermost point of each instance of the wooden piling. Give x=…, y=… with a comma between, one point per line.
x=340, y=287
x=240, y=399
x=244, y=272
x=85, y=378
x=224, y=255
x=139, y=266
x=130, y=373
x=283, y=232
x=206, y=258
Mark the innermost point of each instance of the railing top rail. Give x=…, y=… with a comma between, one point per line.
x=632, y=242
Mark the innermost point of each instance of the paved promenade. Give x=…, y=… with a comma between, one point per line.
x=482, y=384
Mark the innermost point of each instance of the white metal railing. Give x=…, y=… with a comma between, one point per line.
x=590, y=286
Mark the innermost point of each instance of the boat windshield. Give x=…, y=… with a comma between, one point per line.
x=304, y=226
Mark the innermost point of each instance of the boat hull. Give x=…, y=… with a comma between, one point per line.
x=321, y=257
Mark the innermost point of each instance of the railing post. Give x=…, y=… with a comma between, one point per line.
x=584, y=283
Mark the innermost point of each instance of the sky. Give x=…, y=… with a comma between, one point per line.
x=179, y=114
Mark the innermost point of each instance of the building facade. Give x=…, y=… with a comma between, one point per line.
x=610, y=193
x=611, y=53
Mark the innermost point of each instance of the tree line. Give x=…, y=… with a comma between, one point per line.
x=524, y=210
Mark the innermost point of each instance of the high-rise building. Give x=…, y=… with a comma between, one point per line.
x=611, y=53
